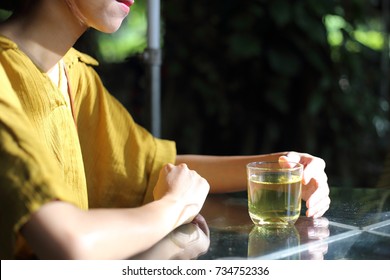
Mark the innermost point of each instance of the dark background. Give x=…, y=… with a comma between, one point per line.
x=261, y=76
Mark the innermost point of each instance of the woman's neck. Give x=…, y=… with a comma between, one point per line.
x=45, y=32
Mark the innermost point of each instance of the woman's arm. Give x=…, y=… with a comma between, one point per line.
x=59, y=230
x=228, y=173
x=224, y=173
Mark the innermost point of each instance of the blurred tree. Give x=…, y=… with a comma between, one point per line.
x=261, y=76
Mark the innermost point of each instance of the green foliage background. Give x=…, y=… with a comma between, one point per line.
x=263, y=76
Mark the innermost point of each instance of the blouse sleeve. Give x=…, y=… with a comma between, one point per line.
x=26, y=177
x=122, y=160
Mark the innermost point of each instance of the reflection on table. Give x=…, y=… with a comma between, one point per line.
x=357, y=226
x=186, y=242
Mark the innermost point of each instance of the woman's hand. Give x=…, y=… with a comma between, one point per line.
x=182, y=186
x=315, y=189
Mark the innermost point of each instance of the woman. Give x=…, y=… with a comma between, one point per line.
x=67, y=146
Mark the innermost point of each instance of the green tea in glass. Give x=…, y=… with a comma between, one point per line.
x=274, y=193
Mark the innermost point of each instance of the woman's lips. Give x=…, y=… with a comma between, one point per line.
x=126, y=4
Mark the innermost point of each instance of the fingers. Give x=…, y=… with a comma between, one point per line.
x=285, y=162
x=180, y=175
x=319, y=209
x=319, y=201
x=293, y=156
x=170, y=167
x=288, y=161
x=315, y=182
x=313, y=166
x=315, y=169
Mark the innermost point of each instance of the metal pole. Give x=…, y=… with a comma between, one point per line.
x=153, y=59
x=385, y=51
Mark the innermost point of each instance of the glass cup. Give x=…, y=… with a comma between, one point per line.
x=274, y=193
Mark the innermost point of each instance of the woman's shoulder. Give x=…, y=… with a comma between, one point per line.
x=7, y=43
x=74, y=57
x=81, y=68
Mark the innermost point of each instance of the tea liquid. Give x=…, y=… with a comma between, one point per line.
x=274, y=199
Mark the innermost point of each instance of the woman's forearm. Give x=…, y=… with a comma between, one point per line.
x=224, y=173
x=98, y=234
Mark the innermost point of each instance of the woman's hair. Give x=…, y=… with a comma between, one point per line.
x=11, y=5
x=16, y=5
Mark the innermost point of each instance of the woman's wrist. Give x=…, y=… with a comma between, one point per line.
x=170, y=211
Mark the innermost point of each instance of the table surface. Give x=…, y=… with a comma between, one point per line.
x=357, y=227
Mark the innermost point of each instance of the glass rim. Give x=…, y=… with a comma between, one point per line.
x=256, y=165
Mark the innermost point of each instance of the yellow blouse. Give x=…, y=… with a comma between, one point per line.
x=93, y=156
